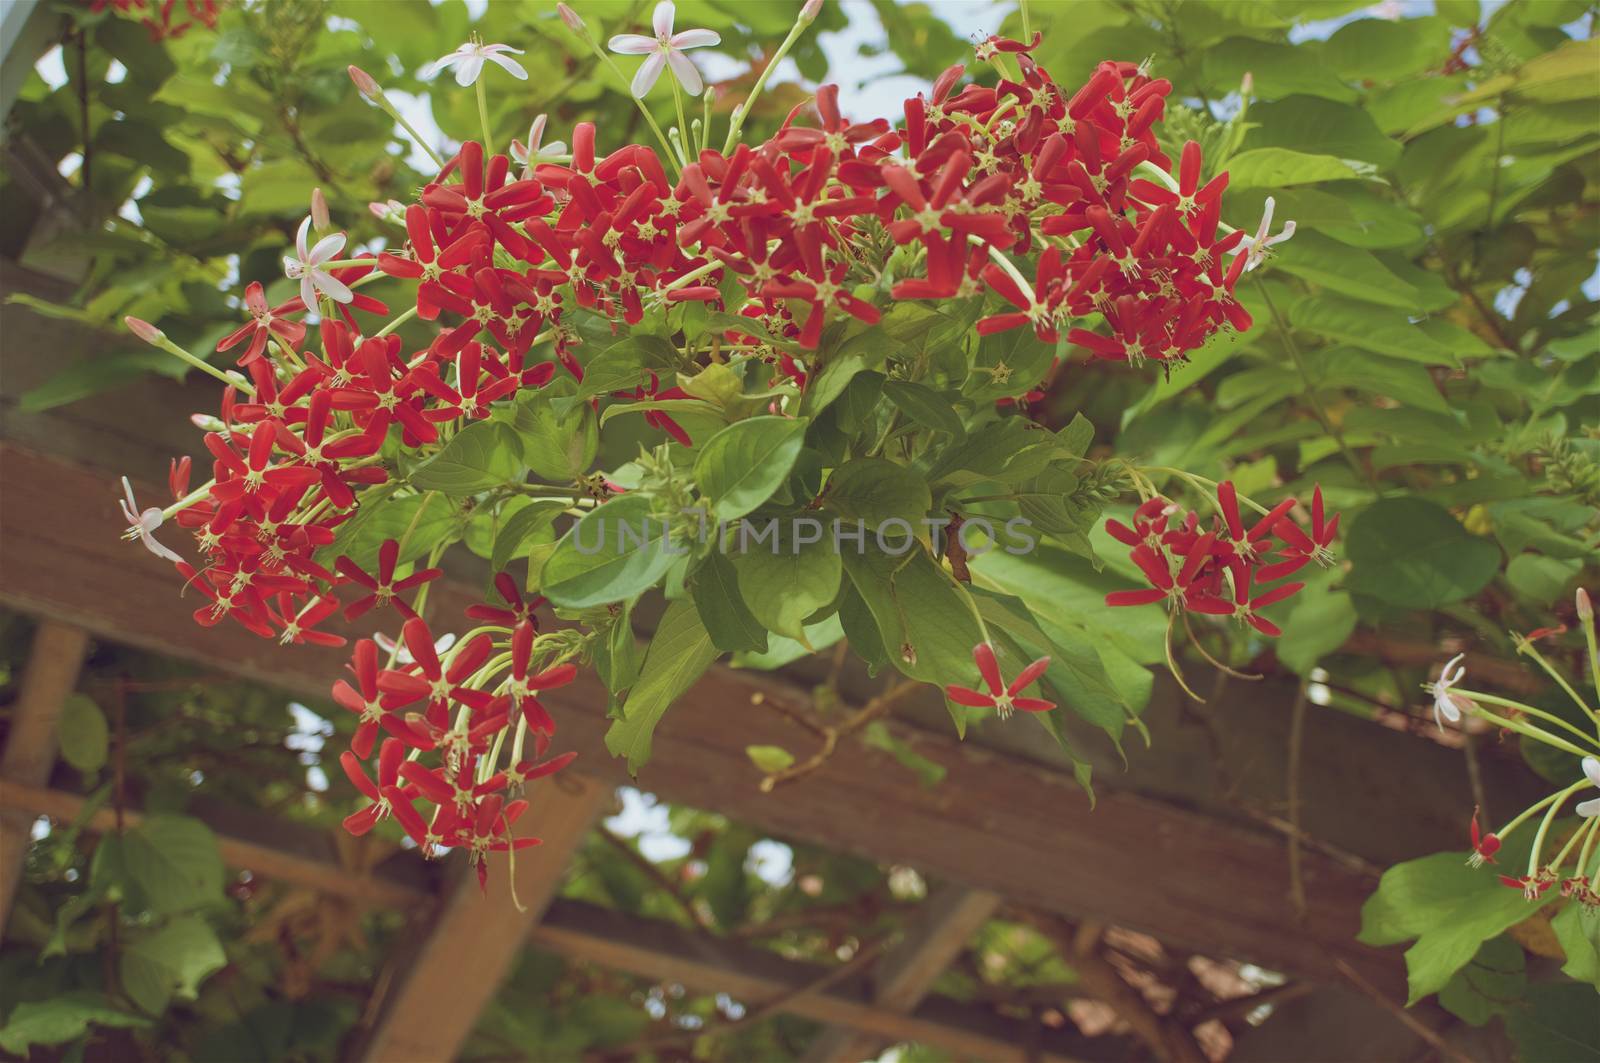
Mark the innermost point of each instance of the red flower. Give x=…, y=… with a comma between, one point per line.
x=264, y=323
x=1000, y=697
x=1483, y=846
x=389, y=760
x=385, y=590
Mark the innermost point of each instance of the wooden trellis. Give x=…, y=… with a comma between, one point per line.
x=1168, y=850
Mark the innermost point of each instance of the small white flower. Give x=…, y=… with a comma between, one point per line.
x=402, y=655
x=528, y=156
x=665, y=49
x=140, y=525
x=307, y=267
x=469, y=59
x=1255, y=248
x=1591, y=770
x=1448, y=706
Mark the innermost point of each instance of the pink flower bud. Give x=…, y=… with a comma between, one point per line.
x=364, y=83
x=144, y=330
x=1247, y=84
x=319, y=211
x=570, y=17
x=812, y=9
x=1585, y=607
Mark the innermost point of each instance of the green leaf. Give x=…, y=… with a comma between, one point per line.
x=1540, y=580
x=1318, y=626
x=532, y=520
x=1311, y=123
x=1491, y=984
x=617, y=550
x=741, y=466
x=558, y=447
x=769, y=759
x=1370, y=328
x=1281, y=168
x=171, y=962
x=174, y=862
x=84, y=735
x=1347, y=270
x=1412, y=553
x=60, y=1019
x=679, y=653
x=1277, y=70
x=875, y=490
x=482, y=455
x=925, y=406
x=1385, y=50
x=715, y=587
x=1577, y=928
x=787, y=583
x=92, y=376
x=1560, y=1025
x=623, y=364
x=926, y=622
x=1450, y=908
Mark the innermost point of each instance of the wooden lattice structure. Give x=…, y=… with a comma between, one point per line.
x=1170, y=850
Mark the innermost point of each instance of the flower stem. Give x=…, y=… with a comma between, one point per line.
x=1527, y=647
x=396, y=323
x=483, y=117
x=741, y=112
x=1531, y=711
x=1535, y=733
x=685, y=145
x=650, y=119
x=1560, y=799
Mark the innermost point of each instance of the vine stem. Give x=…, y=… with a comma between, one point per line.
x=483, y=117
x=741, y=112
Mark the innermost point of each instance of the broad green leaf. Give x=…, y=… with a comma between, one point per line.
x=1540, y=580
x=1450, y=908
x=617, y=550
x=1577, y=927
x=924, y=406
x=1561, y=1024
x=1318, y=625
x=926, y=622
x=785, y=584
x=84, y=735
x=875, y=490
x=1323, y=126
x=1347, y=270
x=94, y=375
x=60, y=1019
x=679, y=653
x=741, y=466
x=1370, y=328
x=624, y=364
x=531, y=521
x=1280, y=168
x=172, y=962
x=482, y=455
x=175, y=863
x=1385, y=50
x=722, y=609
x=1277, y=70
x=1414, y=554
x=558, y=446
x=1491, y=984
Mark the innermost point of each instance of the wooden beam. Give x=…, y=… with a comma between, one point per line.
x=907, y=972
x=474, y=939
x=51, y=673
x=587, y=933
x=998, y=822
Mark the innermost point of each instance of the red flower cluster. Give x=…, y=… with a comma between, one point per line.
x=1222, y=569
x=160, y=24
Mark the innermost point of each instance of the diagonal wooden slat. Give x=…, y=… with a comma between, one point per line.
x=907, y=972
x=54, y=661
x=647, y=948
x=474, y=939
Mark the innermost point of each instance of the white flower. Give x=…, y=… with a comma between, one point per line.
x=1591, y=770
x=529, y=155
x=402, y=655
x=140, y=525
x=307, y=267
x=665, y=49
x=1254, y=248
x=1448, y=706
x=469, y=58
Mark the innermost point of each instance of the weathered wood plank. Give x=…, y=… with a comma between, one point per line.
x=54, y=661
x=475, y=939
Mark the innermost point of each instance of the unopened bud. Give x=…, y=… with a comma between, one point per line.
x=812, y=9
x=1585, y=607
x=319, y=211
x=1247, y=83
x=364, y=83
x=145, y=331
x=570, y=17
